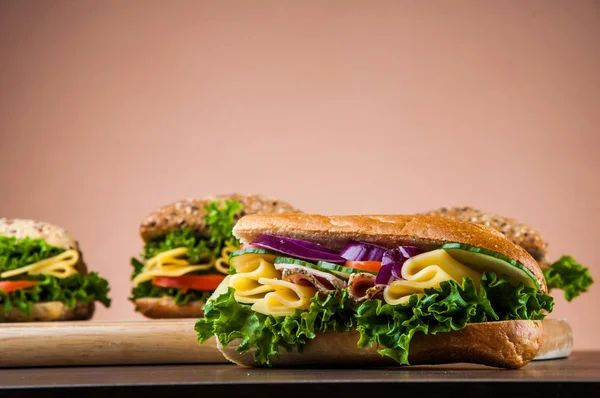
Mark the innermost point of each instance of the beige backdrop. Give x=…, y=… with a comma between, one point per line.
x=110, y=109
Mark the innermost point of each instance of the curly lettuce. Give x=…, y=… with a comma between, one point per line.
x=219, y=220
x=229, y=320
x=72, y=290
x=566, y=274
x=16, y=253
x=450, y=307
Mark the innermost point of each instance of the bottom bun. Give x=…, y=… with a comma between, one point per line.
x=165, y=307
x=557, y=341
x=505, y=344
x=50, y=311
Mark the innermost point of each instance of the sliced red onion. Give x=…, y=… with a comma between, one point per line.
x=299, y=249
x=360, y=251
x=392, y=262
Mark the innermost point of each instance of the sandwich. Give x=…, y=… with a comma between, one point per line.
x=376, y=290
x=43, y=276
x=186, y=252
x=565, y=274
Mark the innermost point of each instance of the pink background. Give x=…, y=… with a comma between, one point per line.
x=110, y=109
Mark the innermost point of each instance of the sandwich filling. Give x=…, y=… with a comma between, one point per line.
x=283, y=292
x=185, y=264
x=33, y=271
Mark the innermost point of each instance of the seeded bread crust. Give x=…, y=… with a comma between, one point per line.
x=518, y=233
x=505, y=344
x=52, y=234
x=49, y=312
x=165, y=307
x=190, y=213
x=385, y=230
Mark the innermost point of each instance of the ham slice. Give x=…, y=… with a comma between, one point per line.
x=362, y=287
x=324, y=282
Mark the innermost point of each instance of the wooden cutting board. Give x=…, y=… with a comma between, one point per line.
x=151, y=342
x=104, y=343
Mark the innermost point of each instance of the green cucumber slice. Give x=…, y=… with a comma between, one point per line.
x=294, y=261
x=251, y=250
x=487, y=260
x=335, y=269
x=339, y=270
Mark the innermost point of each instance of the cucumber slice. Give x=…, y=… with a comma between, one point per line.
x=342, y=272
x=486, y=260
x=336, y=269
x=251, y=250
x=289, y=260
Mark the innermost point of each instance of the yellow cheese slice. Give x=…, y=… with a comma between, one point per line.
x=61, y=266
x=427, y=270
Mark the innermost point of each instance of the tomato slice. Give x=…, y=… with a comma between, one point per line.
x=11, y=286
x=372, y=266
x=189, y=282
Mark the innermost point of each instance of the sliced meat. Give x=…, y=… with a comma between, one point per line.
x=362, y=287
x=324, y=282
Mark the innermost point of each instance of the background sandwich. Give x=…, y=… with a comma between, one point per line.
x=43, y=276
x=186, y=252
x=376, y=290
x=565, y=273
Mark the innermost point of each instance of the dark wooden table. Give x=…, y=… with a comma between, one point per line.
x=579, y=374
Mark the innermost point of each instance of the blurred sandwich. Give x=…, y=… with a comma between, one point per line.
x=187, y=249
x=565, y=273
x=43, y=276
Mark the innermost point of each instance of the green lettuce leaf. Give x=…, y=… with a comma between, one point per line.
x=220, y=222
x=146, y=289
x=229, y=320
x=71, y=290
x=197, y=246
x=449, y=307
x=16, y=253
x=568, y=275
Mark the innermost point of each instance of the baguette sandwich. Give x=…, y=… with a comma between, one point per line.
x=186, y=252
x=376, y=290
x=43, y=276
x=565, y=274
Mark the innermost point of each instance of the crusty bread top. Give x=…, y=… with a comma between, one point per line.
x=190, y=213
x=518, y=233
x=385, y=230
x=52, y=234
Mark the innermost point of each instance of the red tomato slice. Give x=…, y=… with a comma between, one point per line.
x=189, y=282
x=11, y=286
x=372, y=266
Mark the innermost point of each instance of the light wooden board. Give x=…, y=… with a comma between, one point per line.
x=151, y=342
x=104, y=343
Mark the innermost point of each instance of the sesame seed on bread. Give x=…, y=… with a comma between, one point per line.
x=518, y=233
x=190, y=213
x=52, y=234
